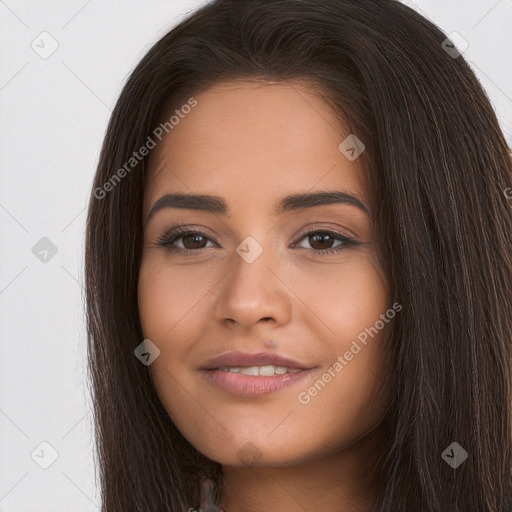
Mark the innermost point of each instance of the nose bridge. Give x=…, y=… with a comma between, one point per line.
x=251, y=291
x=251, y=266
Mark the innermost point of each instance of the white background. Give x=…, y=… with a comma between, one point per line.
x=54, y=113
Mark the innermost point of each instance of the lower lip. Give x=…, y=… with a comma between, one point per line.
x=252, y=385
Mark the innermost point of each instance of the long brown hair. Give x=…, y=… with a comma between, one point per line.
x=438, y=166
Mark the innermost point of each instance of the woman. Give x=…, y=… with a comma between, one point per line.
x=298, y=266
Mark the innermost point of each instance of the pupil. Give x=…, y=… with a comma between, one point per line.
x=326, y=236
x=195, y=240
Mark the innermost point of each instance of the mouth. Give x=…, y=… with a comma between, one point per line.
x=247, y=374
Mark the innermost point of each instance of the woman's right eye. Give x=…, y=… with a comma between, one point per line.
x=190, y=241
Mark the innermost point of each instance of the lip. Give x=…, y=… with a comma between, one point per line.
x=252, y=385
x=237, y=358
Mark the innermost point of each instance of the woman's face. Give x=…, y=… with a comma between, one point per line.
x=260, y=267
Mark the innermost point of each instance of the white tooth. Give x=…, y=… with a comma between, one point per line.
x=251, y=370
x=267, y=371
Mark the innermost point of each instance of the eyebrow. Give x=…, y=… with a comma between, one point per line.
x=217, y=204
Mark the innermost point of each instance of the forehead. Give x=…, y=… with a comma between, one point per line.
x=252, y=141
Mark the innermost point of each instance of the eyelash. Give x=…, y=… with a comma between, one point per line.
x=170, y=237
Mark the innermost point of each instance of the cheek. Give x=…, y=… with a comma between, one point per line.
x=172, y=308
x=346, y=297
x=351, y=301
x=171, y=298
x=349, y=298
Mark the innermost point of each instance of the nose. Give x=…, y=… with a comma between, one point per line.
x=252, y=293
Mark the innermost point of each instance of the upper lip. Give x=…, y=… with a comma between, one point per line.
x=237, y=358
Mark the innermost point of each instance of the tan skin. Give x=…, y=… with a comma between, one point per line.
x=253, y=143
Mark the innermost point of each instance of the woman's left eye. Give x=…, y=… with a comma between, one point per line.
x=320, y=237
x=324, y=236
